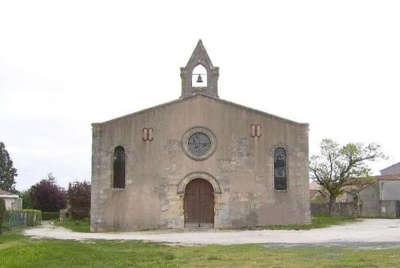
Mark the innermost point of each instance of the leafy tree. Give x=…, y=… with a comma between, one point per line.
x=7, y=170
x=47, y=195
x=26, y=199
x=79, y=199
x=338, y=167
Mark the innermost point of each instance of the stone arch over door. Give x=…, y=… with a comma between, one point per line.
x=216, y=197
x=199, y=175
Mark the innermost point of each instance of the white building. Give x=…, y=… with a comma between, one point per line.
x=13, y=201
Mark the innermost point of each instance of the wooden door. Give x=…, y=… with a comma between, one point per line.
x=199, y=204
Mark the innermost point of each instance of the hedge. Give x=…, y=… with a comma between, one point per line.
x=2, y=213
x=26, y=217
x=50, y=215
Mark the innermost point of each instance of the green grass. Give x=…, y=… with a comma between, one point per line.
x=325, y=221
x=82, y=226
x=317, y=222
x=19, y=251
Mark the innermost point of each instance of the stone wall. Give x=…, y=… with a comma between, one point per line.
x=378, y=201
x=390, y=190
x=13, y=203
x=370, y=201
x=339, y=209
x=241, y=165
x=370, y=206
x=388, y=208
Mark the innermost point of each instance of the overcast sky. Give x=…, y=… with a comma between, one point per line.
x=66, y=64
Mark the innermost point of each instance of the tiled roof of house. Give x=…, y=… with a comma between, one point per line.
x=388, y=177
x=348, y=188
x=314, y=186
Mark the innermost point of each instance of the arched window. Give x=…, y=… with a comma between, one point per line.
x=280, y=169
x=119, y=167
x=199, y=76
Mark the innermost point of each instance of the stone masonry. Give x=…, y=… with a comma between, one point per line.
x=240, y=169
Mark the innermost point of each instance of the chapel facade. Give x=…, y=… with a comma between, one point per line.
x=198, y=162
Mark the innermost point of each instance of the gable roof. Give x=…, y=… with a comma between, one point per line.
x=199, y=95
x=394, y=166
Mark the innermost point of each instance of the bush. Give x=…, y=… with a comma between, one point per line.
x=79, y=199
x=50, y=215
x=2, y=213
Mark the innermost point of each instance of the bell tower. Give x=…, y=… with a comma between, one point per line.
x=199, y=76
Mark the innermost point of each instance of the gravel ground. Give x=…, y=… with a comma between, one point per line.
x=384, y=231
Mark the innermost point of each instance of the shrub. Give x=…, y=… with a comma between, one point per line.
x=79, y=199
x=50, y=215
x=2, y=213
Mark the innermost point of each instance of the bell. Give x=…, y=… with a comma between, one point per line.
x=199, y=79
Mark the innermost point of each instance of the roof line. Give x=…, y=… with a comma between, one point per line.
x=390, y=166
x=9, y=196
x=255, y=110
x=209, y=97
x=145, y=110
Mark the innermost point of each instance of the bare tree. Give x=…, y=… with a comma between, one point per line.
x=339, y=166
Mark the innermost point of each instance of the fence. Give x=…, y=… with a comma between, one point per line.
x=25, y=217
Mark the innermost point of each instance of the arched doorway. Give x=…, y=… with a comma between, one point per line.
x=199, y=204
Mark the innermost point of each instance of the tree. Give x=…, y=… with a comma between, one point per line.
x=338, y=167
x=26, y=199
x=79, y=199
x=47, y=195
x=7, y=170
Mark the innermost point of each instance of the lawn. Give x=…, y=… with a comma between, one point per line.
x=19, y=251
x=82, y=226
x=317, y=222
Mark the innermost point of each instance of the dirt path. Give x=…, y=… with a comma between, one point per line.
x=365, y=231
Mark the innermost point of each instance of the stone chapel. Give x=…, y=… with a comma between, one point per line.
x=198, y=162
